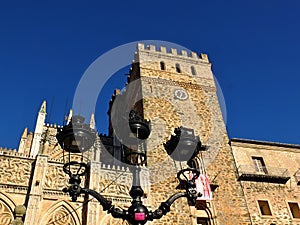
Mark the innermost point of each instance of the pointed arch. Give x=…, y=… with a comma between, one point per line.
x=7, y=206
x=58, y=155
x=61, y=213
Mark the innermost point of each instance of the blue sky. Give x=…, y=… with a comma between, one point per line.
x=46, y=46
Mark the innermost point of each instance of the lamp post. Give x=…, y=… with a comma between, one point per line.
x=77, y=137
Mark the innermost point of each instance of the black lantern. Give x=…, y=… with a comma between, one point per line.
x=135, y=149
x=138, y=126
x=76, y=137
x=183, y=145
x=135, y=154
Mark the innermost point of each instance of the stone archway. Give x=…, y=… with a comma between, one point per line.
x=6, y=210
x=62, y=213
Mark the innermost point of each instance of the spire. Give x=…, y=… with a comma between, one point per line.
x=22, y=144
x=25, y=132
x=38, y=130
x=92, y=121
x=43, y=107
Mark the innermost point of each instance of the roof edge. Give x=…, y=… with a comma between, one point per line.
x=259, y=142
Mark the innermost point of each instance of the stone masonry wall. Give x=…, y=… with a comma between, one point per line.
x=280, y=160
x=200, y=111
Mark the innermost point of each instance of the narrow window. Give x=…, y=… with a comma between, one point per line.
x=202, y=221
x=178, y=70
x=294, y=208
x=264, y=208
x=193, y=70
x=162, y=65
x=259, y=165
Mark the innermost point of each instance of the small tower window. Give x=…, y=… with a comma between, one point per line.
x=193, y=70
x=264, y=208
x=202, y=221
x=177, y=66
x=294, y=208
x=162, y=65
x=259, y=165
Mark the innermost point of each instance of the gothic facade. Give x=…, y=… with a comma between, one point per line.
x=252, y=182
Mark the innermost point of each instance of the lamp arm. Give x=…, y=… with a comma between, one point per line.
x=106, y=204
x=137, y=213
x=164, y=207
x=75, y=190
x=191, y=194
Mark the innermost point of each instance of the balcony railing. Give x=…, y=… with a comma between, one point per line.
x=265, y=174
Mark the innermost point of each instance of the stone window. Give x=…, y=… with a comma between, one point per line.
x=294, y=208
x=202, y=221
x=259, y=165
x=177, y=66
x=162, y=65
x=193, y=70
x=264, y=208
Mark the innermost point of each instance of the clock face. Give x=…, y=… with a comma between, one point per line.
x=181, y=94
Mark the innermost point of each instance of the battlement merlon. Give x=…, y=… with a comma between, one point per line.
x=189, y=66
x=162, y=50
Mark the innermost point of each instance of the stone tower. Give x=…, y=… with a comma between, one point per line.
x=178, y=89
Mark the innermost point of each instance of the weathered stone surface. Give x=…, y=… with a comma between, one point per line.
x=200, y=111
x=281, y=160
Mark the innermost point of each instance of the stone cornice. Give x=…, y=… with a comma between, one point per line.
x=12, y=188
x=264, y=145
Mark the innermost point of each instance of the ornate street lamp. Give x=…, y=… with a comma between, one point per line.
x=137, y=213
x=76, y=137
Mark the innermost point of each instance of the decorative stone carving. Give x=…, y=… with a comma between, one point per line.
x=115, y=184
x=56, y=178
x=6, y=215
x=49, y=134
x=61, y=216
x=15, y=171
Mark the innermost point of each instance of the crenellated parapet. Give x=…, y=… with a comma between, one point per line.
x=53, y=125
x=9, y=152
x=173, y=52
x=171, y=64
